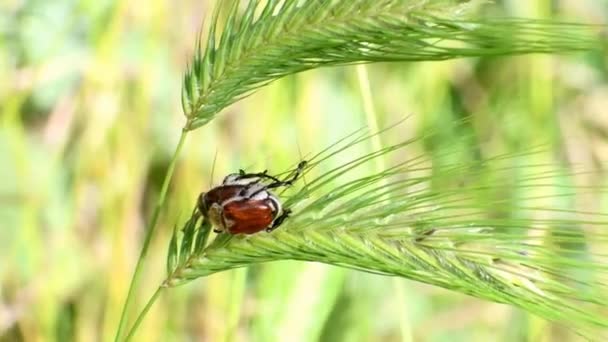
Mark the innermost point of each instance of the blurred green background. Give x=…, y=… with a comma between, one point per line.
x=90, y=115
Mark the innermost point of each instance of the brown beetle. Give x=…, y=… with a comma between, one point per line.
x=244, y=204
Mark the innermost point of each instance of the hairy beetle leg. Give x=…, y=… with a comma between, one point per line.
x=263, y=174
x=289, y=182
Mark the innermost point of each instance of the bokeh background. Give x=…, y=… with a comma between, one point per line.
x=90, y=115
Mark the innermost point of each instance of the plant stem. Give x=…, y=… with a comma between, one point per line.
x=370, y=112
x=143, y=313
x=237, y=293
x=148, y=237
x=372, y=122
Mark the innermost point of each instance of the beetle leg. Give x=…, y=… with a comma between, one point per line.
x=263, y=174
x=279, y=220
x=289, y=182
x=242, y=173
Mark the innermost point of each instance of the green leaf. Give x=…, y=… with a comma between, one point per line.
x=191, y=244
x=202, y=235
x=187, y=240
x=172, y=255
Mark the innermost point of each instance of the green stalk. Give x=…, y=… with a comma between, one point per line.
x=237, y=293
x=372, y=123
x=149, y=232
x=143, y=313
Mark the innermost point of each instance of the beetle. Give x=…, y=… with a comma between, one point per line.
x=244, y=204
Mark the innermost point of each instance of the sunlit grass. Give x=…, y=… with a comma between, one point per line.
x=90, y=113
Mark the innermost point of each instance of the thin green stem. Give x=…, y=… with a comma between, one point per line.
x=143, y=313
x=149, y=233
x=372, y=122
x=368, y=107
x=237, y=293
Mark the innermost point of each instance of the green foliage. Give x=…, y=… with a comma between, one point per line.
x=266, y=42
x=454, y=236
x=387, y=222
x=458, y=235
x=192, y=242
x=88, y=125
